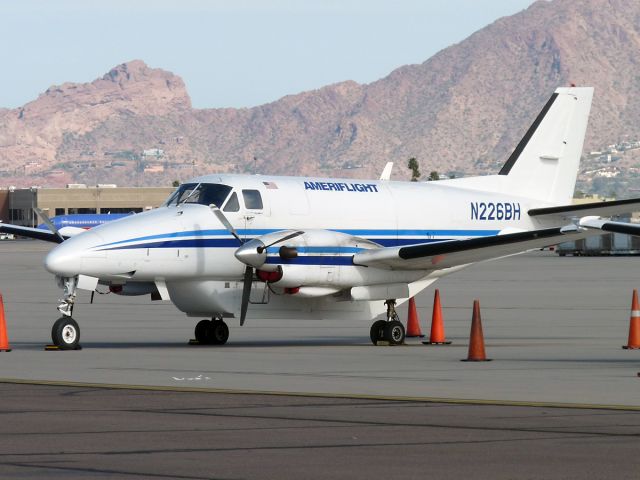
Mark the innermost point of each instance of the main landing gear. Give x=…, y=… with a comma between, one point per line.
x=65, y=332
x=390, y=330
x=212, y=332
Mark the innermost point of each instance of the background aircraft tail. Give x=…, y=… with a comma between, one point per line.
x=544, y=165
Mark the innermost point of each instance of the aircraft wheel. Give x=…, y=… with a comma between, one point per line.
x=218, y=332
x=201, y=331
x=377, y=331
x=65, y=333
x=394, y=332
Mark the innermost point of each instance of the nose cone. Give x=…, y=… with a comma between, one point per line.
x=65, y=260
x=252, y=253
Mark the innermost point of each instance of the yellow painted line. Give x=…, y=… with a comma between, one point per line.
x=355, y=396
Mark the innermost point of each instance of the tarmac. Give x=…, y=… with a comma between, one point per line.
x=70, y=432
x=314, y=399
x=553, y=326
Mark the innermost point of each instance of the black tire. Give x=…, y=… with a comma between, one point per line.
x=202, y=331
x=377, y=331
x=65, y=333
x=394, y=333
x=218, y=332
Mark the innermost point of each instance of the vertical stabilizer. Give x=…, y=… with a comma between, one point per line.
x=545, y=163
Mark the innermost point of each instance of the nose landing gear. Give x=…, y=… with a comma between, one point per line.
x=69, y=286
x=65, y=332
x=390, y=330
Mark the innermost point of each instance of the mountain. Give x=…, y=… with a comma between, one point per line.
x=462, y=110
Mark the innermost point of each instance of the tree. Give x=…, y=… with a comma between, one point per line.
x=433, y=176
x=415, y=169
x=176, y=183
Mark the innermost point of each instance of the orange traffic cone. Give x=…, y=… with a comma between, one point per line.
x=413, y=324
x=4, y=339
x=436, y=336
x=476, y=342
x=634, y=324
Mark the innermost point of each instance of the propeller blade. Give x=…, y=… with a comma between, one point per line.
x=45, y=219
x=227, y=224
x=246, y=292
x=283, y=239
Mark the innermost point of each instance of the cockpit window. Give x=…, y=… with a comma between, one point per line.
x=252, y=199
x=232, y=205
x=202, y=193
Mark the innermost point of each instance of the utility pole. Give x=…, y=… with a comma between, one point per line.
x=12, y=189
x=32, y=215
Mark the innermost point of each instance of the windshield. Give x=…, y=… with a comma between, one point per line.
x=202, y=193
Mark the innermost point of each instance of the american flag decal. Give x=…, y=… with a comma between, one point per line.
x=270, y=185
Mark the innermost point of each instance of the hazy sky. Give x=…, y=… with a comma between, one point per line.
x=232, y=53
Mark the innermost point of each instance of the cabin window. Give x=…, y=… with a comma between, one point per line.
x=252, y=199
x=233, y=205
x=201, y=193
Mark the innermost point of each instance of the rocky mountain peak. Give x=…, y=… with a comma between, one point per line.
x=462, y=110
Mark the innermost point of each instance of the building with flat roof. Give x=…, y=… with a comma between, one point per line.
x=16, y=205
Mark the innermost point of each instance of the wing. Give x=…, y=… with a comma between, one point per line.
x=29, y=232
x=441, y=255
x=602, y=209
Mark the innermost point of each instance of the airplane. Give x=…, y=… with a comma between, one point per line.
x=68, y=225
x=262, y=246
x=83, y=220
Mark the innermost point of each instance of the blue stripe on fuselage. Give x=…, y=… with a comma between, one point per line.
x=187, y=243
x=193, y=233
x=417, y=236
x=231, y=242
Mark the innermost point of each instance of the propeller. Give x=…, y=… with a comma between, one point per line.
x=280, y=240
x=248, y=271
x=247, y=250
x=45, y=219
x=253, y=254
x=246, y=293
x=227, y=224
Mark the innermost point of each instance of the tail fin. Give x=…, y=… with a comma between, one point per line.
x=545, y=163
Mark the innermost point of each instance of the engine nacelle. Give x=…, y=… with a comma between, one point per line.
x=314, y=258
x=315, y=263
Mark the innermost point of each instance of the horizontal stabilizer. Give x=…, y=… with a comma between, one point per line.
x=601, y=209
x=612, y=227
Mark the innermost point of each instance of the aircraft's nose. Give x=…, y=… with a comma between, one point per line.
x=65, y=260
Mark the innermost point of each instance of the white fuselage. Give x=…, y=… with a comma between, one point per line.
x=186, y=248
